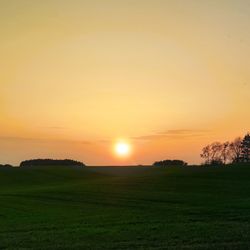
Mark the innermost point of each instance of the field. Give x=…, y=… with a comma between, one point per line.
x=125, y=208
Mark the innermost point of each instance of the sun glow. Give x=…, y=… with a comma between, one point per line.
x=122, y=149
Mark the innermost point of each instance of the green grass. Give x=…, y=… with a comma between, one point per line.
x=125, y=208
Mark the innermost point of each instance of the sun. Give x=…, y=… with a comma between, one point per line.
x=122, y=149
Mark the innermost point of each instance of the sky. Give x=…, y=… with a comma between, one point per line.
x=166, y=76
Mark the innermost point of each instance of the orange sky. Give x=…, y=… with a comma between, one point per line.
x=167, y=76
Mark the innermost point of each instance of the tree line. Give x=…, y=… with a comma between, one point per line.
x=51, y=162
x=218, y=153
x=169, y=163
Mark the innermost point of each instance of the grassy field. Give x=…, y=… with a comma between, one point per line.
x=125, y=208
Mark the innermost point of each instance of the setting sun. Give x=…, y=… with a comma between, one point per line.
x=122, y=149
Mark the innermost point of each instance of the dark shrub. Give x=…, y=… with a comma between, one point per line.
x=216, y=162
x=6, y=165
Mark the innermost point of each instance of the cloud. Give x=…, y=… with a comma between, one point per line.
x=56, y=127
x=104, y=141
x=174, y=133
x=41, y=140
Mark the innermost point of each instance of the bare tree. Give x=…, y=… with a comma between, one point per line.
x=216, y=149
x=225, y=152
x=213, y=153
x=235, y=150
x=206, y=154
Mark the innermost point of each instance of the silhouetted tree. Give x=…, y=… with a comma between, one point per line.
x=216, y=153
x=206, y=154
x=245, y=147
x=235, y=150
x=225, y=152
x=216, y=149
x=50, y=162
x=169, y=163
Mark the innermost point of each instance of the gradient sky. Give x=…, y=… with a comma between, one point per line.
x=76, y=75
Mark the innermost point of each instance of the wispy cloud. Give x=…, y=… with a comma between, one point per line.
x=104, y=141
x=41, y=140
x=174, y=133
x=56, y=128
